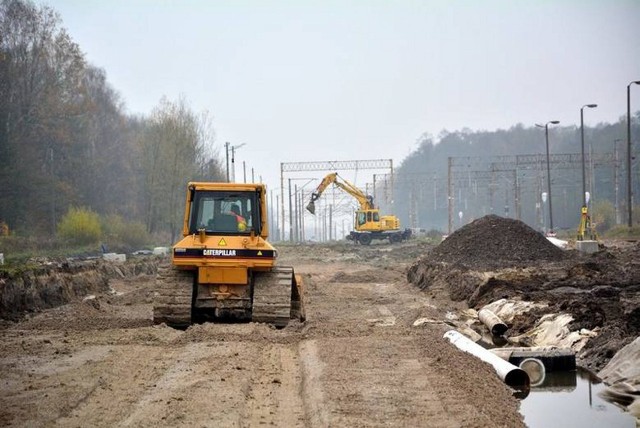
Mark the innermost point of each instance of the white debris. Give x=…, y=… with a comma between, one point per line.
x=622, y=376
x=421, y=321
x=507, y=310
x=451, y=316
x=558, y=242
x=553, y=330
x=161, y=251
x=113, y=257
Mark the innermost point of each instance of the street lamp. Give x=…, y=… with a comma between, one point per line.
x=616, y=178
x=584, y=186
x=546, y=136
x=585, y=222
x=233, y=159
x=226, y=148
x=629, y=191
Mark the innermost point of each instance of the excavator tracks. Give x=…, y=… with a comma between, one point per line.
x=172, y=300
x=277, y=297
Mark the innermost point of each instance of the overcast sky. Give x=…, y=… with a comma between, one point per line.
x=342, y=80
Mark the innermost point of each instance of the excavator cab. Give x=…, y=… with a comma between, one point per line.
x=367, y=220
x=223, y=268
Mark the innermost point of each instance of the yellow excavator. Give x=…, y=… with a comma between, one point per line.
x=368, y=222
x=223, y=268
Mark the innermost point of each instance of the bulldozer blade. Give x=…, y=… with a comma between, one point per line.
x=297, y=299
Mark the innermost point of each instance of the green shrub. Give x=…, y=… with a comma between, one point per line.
x=80, y=226
x=623, y=232
x=135, y=234
x=112, y=227
x=119, y=232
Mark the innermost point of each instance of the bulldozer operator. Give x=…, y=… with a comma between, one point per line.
x=242, y=223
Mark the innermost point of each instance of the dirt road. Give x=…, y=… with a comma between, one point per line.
x=358, y=360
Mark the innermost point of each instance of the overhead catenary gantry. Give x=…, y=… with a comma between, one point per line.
x=511, y=165
x=336, y=165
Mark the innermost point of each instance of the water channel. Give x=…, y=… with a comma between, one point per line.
x=571, y=399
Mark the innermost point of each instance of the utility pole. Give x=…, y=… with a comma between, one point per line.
x=302, y=237
x=282, y=223
x=295, y=200
x=233, y=163
x=270, y=212
x=629, y=181
x=278, y=234
x=449, y=195
x=616, y=178
x=290, y=215
x=226, y=148
x=330, y=222
x=375, y=197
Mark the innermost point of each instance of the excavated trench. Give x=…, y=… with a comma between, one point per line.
x=47, y=285
x=494, y=258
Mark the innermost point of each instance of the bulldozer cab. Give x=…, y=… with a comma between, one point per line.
x=224, y=212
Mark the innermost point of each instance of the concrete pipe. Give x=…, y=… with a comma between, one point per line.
x=535, y=369
x=496, y=326
x=512, y=375
x=554, y=359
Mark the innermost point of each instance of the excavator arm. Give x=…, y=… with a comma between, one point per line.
x=365, y=201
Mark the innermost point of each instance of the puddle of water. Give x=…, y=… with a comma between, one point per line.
x=571, y=400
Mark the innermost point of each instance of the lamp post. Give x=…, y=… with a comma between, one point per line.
x=546, y=136
x=629, y=191
x=226, y=148
x=584, y=186
x=233, y=159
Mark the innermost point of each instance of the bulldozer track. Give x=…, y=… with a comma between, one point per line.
x=272, y=294
x=173, y=296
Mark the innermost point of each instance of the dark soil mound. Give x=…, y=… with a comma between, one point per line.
x=494, y=242
x=601, y=291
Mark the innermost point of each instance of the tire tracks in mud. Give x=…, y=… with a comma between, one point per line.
x=273, y=396
x=357, y=361
x=312, y=393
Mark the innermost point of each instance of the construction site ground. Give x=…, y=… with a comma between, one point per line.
x=357, y=361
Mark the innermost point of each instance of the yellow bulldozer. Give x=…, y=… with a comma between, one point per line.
x=223, y=268
x=368, y=223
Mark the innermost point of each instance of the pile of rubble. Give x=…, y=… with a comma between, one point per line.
x=496, y=258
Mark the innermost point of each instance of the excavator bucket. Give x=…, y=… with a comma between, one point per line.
x=311, y=207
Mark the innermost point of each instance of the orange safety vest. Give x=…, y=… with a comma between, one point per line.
x=242, y=223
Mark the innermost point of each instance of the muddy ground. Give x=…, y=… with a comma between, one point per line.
x=357, y=361
x=495, y=258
